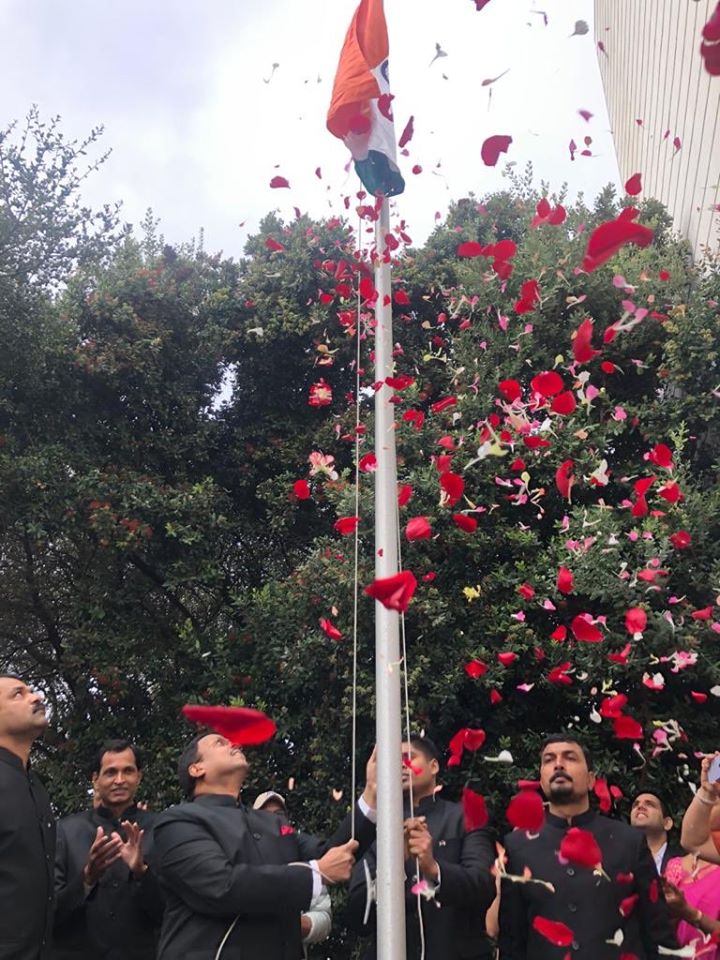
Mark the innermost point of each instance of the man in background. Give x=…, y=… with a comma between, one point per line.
x=27, y=828
x=451, y=864
x=649, y=814
x=109, y=905
x=316, y=921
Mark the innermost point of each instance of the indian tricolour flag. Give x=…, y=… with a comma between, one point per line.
x=360, y=109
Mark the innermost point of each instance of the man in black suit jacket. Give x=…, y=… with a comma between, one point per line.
x=237, y=879
x=454, y=866
x=109, y=904
x=27, y=829
x=620, y=911
x=649, y=814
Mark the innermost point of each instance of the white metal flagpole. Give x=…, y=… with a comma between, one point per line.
x=390, y=878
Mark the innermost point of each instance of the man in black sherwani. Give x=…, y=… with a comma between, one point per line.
x=619, y=911
x=453, y=866
x=109, y=904
x=236, y=879
x=27, y=829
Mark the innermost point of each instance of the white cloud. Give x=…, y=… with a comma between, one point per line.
x=196, y=133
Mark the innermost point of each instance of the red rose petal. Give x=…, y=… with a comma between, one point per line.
x=564, y=403
x=626, y=728
x=465, y=523
x=329, y=628
x=301, y=489
x=394, y=593
x=475, y=669
x=634, y=185
x=493, y=147
x=553, y=931
x=418, y=529
x=582, y=348
x=510, y=390
x=453, y=487
x=474, y=810
x=241, y=725
x=607, y=239
x=565, y=580
x=547, y=384
x=526, y=811
x=584, y=630
x=635, y=620
x=581, y=848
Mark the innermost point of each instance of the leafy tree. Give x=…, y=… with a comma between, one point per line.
x=154, y=419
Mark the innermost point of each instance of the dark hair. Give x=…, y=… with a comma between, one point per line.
x=659, y=797
x=426, y=746
x=114, y=746
x=190, y=754
x=567, y=738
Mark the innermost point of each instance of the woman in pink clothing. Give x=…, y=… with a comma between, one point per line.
x=692, y=890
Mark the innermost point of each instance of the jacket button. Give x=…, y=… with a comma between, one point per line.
x=570, y=872
x=575, y=945
x=257, y=836
x=572, y=907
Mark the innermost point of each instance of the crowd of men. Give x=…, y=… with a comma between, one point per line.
x=214, y=879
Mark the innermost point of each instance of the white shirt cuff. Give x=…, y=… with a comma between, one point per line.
x=367, y=811
x=317, y=879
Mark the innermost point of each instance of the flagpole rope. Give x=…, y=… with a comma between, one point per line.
x=408, y=731
x=356, y=574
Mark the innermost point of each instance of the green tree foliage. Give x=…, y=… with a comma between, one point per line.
x=154, y=418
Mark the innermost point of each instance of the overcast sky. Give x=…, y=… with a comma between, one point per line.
x=197, y=132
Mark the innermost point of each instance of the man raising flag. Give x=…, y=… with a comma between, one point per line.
x=360, y=112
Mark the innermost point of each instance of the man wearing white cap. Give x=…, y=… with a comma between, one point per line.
x=316, y=922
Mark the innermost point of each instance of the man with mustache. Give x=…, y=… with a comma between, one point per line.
x=235, y=881
x=616, y=907
x=109, y=905
x=27, y=828
x=451, y=863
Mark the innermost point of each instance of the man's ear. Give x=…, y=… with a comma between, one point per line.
x=140, y=776
x=591, y=780
x=94, y=778
x=196, y=770
x=434, y=767
x=667, y=824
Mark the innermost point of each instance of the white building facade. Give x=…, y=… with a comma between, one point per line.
x=664, y=108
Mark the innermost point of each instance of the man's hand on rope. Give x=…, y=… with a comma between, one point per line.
x=420, y=844
x=370, y=791
x=336, y=865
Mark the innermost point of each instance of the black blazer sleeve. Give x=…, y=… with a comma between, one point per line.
x=311, y=848
x=194, y=866
x=513, y=936
x=656, y=926
x=69, y=888
x=470, y=882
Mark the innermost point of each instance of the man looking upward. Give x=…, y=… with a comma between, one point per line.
x=649, y=814
x=618, y=910
x=235, y=881
x=27, y=828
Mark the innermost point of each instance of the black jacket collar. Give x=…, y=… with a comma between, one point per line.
x=13, y=760
x=129, y=814
x=422, y=806
x=217, y=800
x=564, y=823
